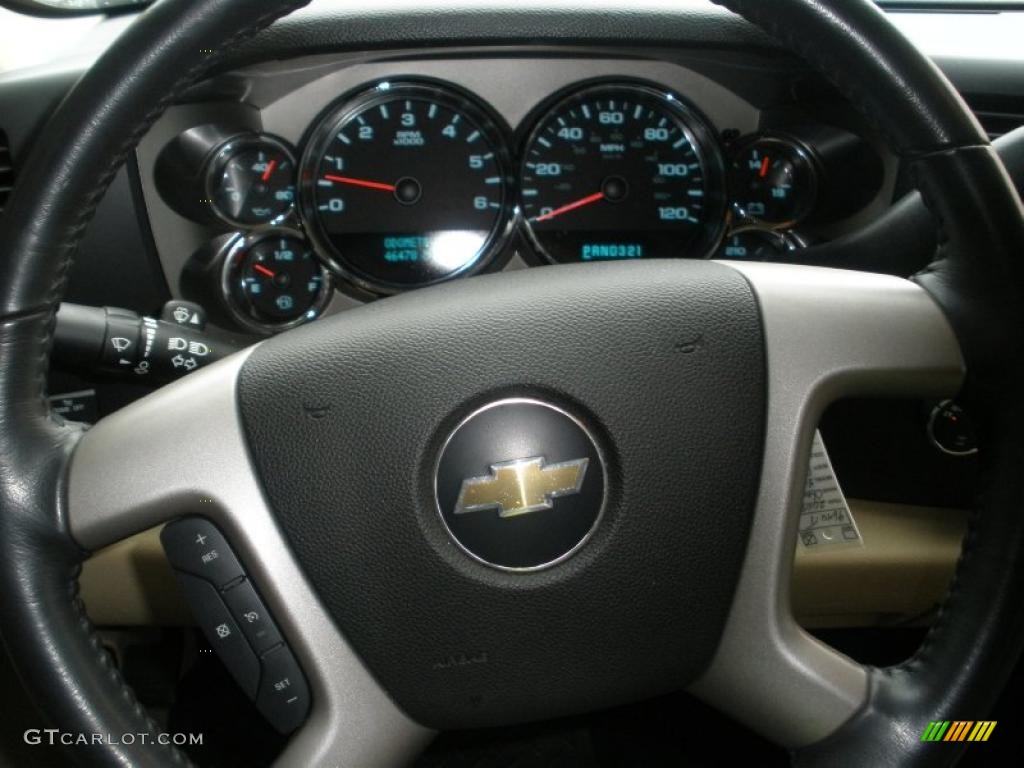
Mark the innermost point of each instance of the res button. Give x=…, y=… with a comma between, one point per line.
x=195, y=546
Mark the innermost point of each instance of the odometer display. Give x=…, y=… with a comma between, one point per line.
x=404, y=186
x=621, y=172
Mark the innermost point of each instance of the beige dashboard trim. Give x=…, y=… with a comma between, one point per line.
x=130, y=583
x=897, y=577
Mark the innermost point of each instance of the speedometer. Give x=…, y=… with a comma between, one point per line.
x=406, y=185
x=622, y=171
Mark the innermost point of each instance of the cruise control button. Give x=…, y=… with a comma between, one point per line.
x=222, y=632
x=252, y=616
x=195, y=546
x=284, y=696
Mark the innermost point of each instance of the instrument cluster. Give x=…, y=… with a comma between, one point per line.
x=408, y=183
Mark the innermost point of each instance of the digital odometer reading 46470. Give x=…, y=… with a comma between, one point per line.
x=406, y=185
x=621, y=172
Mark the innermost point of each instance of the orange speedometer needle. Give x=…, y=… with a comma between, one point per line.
x=263, y=270
x=360, y=183
x=271, y=166
x=765, y=165
x=572, y=206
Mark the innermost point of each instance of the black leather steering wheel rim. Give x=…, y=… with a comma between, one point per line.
x=976, y=278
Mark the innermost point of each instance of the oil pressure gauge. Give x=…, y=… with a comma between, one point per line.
x=228, y=177
x=250, y=181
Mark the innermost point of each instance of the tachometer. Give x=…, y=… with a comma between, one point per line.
x=406, y=185
x=622, y=171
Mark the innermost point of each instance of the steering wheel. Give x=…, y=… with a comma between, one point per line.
x=673, y=403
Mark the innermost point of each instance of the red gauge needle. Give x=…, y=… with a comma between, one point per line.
x=361, y=183
x=765, y=165
x=263, y=270
x=271, y=167
x=597, y=196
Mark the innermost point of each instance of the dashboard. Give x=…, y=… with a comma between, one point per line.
x=333, y=181
x=346, y=156
x=227, y=203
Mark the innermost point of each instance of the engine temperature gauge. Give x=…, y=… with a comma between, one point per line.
x=759, y=244
x=272, y=281
x=773, y=181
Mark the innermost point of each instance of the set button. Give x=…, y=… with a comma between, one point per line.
x=283, y=696
x=236, y=622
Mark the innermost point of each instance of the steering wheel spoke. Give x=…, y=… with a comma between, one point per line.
x=829, y=334
x=686, y=583
x=181, y=451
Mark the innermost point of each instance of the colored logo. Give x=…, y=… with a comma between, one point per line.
x=959, y=730
x=521, y=486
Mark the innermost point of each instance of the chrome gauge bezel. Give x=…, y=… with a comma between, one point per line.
x=788, y=240
x=798, y=148
x=697, y=127
x=933, y=438
x=223, y=154
x=235, y=248
x=345, y=109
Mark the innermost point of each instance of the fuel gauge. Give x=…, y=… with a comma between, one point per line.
x=272, y=281
x=773, y=181
x=251, y=181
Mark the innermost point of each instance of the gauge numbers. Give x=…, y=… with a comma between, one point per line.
x=773, y=181
x=406, y=186
x=251, y=181
x=273, y=281
x=621, y=172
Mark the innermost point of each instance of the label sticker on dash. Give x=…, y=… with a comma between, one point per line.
x=826, y=520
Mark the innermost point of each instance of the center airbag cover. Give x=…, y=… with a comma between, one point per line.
x=661, y=364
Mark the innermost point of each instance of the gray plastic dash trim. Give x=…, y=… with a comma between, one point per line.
x=160, y=458
x=829, y=334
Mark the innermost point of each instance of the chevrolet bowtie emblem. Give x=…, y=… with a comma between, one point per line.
x=522, y=486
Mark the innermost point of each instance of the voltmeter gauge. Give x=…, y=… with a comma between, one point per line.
x=773, y=181
x=250, y=181
x=272, y=281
